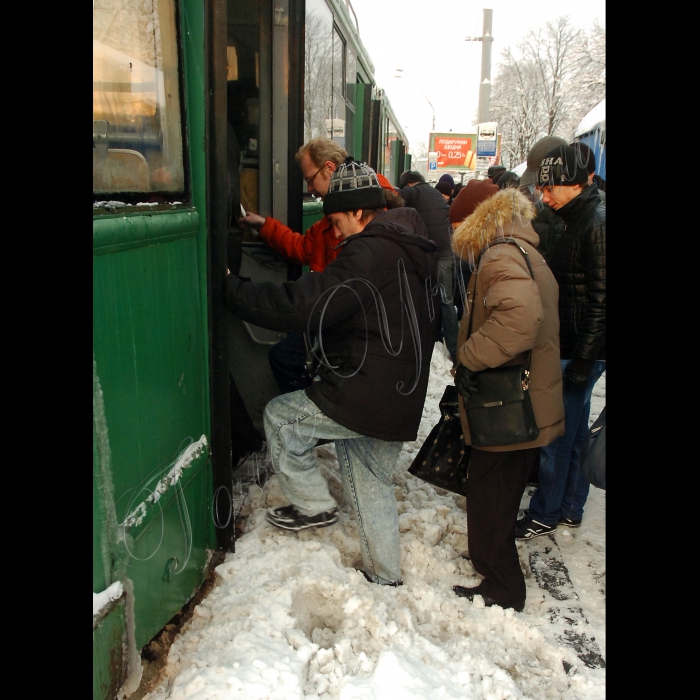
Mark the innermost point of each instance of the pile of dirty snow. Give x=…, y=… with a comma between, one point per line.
x=292, y=618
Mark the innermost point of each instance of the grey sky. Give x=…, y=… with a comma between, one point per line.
x=426, y=38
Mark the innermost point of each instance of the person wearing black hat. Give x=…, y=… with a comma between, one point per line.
x=445, y=190
x=577, y=260
x=547, y=224
x=375, y=326
x=587, y=159
x=495, y=170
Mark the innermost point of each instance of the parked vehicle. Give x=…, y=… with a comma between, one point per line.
x=194, y=101
x=591, y=131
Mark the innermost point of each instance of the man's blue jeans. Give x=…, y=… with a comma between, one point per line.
x=562, y=489
x=293, y=425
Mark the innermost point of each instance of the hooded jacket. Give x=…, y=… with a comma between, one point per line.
x=376, y=320
x=512, y=313
x=577, y=258
x=434, y=211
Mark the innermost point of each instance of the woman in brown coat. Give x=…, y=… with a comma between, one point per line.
x=512, y=313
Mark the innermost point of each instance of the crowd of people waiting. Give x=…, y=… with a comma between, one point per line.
x=394, y=270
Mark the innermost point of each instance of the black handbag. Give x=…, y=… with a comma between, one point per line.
x=442, y=459
x=593, y=453
x=501, y=412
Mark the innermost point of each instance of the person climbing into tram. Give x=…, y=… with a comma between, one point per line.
x=378, y=326
x=318, y=160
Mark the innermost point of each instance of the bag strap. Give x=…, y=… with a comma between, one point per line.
x=498, y=241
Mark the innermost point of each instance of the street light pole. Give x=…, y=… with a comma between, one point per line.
x=485, y=85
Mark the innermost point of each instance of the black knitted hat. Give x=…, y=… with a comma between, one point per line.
x=495, y=169
x=562, y=166
x=354, y=185
x=443, y=187
x=587, y=157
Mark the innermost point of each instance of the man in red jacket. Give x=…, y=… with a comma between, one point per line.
x=318, y=160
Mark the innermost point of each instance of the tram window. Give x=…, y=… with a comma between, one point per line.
x=391, y=151
x=243, y=100
x=351, y=101
x=318, y=69
x=137, y=123
x=336, y=129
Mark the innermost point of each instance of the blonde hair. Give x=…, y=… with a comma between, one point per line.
x=322, y=149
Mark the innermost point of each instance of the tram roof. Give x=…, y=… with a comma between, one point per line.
x=595, y=118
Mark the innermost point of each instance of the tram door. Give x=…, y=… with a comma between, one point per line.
x=261, y=104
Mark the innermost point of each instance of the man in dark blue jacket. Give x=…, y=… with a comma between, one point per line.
x=372, y=312
x=435, y=212
x=577, y=260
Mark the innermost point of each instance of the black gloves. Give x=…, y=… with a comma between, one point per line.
x=576, y=374
x=466, y=381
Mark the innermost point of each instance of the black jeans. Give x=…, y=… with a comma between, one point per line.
x=495, y=485
x=450, y=323
x=287, y=360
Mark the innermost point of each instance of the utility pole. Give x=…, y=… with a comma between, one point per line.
x=485, y=86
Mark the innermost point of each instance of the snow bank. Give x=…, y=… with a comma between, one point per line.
x=292, y=618
x=101, y=600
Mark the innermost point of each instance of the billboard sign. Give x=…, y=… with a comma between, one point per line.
x=486, y=139
x=457, y=152
x=454, y=151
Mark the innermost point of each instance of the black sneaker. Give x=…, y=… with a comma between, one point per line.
x=289, y=518
x=569, y=522
x=469, y=594
x=527, y=528
x=395, y=584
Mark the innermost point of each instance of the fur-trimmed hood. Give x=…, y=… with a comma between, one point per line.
x=507, y=213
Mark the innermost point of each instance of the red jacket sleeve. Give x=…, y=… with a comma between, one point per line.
x=314, y=249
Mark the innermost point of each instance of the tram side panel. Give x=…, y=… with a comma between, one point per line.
x=152, y=472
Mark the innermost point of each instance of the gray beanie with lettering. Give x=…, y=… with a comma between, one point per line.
x=354, y=185
x=535, y=156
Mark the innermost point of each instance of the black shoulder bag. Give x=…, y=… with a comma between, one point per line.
x=442, y=459
x=501, y=412
x=593, y=453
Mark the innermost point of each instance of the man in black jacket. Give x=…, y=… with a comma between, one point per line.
x=435, y=212
x=577, y=259
x=373, y=316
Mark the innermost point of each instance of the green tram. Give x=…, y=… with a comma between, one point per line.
x=198, y=108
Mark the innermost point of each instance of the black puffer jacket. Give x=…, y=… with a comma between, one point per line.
x=548, y=226
x=577, y=259
x=434, y=211
x=378, y=325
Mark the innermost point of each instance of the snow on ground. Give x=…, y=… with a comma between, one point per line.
x=291, y=617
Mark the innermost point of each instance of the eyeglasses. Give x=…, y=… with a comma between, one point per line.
x=310, y=180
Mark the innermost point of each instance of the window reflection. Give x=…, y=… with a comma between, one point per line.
x=137, y=134
x=318, y=70
x=243, y=106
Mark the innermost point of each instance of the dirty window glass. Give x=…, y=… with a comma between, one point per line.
x=137, y=132
x=318, y=70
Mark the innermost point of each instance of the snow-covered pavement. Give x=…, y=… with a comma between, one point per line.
x=291, y=618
